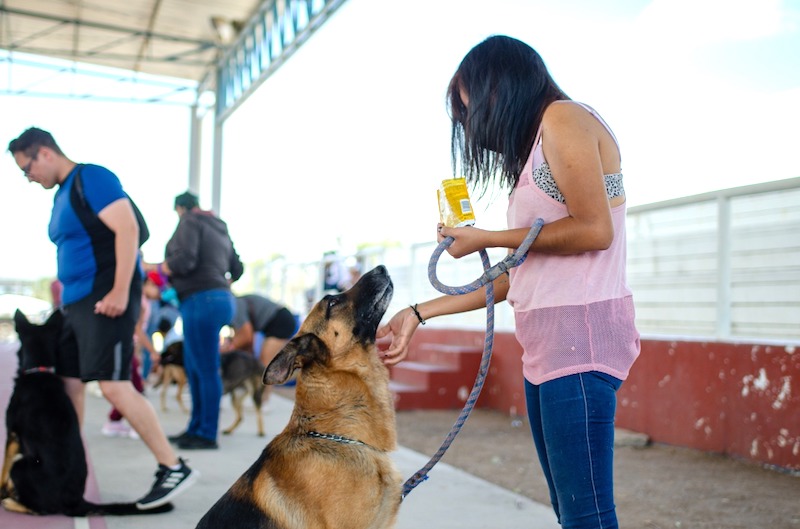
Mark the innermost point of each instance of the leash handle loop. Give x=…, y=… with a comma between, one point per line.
x=486, y=279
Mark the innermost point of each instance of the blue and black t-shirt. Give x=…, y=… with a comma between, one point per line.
x=85, y=246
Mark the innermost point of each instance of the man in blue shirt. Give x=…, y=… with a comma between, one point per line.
x=96, y=234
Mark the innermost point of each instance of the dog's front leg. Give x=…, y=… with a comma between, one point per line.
x=237, y=404
x=12, y=505
x=12, y=453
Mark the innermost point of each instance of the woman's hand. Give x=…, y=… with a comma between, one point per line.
x=467, y=239
x=402, y=327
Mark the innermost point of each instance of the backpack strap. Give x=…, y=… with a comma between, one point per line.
x=77, y=186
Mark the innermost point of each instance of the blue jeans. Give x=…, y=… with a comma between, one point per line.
x=204, y=314
x=572, y=422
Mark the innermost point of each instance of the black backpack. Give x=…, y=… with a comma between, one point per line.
x=77, y=197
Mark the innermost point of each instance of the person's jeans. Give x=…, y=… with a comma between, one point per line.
x=572, y=422
x=204, y=314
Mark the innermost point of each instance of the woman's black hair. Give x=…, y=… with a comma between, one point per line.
x=508, y=88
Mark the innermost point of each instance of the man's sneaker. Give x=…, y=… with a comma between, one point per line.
x=169, y=484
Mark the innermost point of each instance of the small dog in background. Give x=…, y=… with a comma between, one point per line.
x=172, y=371
x=241, y=377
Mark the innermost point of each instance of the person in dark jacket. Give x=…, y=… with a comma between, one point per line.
x=201, y=263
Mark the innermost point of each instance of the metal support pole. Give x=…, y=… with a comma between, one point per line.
x=195, y=147
x=216, y=176
x=724, y=287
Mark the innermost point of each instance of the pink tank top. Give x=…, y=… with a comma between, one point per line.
x=573, y=313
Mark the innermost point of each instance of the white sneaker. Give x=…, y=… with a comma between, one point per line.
x=118, y=429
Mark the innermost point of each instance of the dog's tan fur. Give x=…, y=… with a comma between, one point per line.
x=170, y=372
x=301, y=481
x=7, y=491
x=241, y=378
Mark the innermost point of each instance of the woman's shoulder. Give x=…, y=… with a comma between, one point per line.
x=570, y=120
x=566, y=113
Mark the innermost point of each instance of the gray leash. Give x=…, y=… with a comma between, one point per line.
x=489, y=275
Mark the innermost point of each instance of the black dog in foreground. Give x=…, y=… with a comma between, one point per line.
x=44, y=468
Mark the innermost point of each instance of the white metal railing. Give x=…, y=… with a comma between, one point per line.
x=721, y=266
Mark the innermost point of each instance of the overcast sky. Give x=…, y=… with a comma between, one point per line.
x=347, y=142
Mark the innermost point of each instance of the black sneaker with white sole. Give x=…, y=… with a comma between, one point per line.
x=169, y=484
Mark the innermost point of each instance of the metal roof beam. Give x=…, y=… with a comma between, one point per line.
x=108, y=27
x=270, y=37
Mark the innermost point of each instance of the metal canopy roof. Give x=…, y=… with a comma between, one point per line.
x=171, y=51
x=151, y=50
x=175, y=38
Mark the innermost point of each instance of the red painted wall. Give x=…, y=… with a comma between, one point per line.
x=737, y=399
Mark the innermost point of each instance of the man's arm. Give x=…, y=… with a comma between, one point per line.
x=119, y=218
x=242, y=339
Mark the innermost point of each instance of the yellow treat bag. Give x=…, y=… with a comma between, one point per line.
x=455, y=209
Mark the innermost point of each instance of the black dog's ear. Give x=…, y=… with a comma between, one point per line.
x=20, y=320
x=55, y=319
x=299, y=352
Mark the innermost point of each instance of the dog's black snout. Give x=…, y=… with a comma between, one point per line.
x=379, y=270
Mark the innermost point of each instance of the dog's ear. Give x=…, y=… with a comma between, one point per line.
x=56, y=319
x=20, y=320
x=299, y=352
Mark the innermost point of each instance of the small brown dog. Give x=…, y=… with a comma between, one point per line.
x=330, y=467
x=242, y=375
x=172, y=371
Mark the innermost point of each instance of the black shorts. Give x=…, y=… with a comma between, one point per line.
x=283, y=325
x=96, y=347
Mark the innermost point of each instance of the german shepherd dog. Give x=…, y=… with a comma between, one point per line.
x=242, y=375
x=44, y=468
x=172, y=370
x=330, y=467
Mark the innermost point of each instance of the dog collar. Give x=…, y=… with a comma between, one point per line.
x=337, y=438
x=40, y=369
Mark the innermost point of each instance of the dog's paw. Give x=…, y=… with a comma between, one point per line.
x=12, y=505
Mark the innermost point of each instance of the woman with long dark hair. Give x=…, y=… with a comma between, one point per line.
x=514, y=128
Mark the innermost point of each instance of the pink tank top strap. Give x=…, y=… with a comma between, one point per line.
x=600, y=119
x=537, y=155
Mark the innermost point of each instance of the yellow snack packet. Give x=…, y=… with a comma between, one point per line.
x=455, y=208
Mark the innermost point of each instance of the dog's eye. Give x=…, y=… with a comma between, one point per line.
x=332, y=302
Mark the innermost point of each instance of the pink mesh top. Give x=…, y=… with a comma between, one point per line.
x=573, y=313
